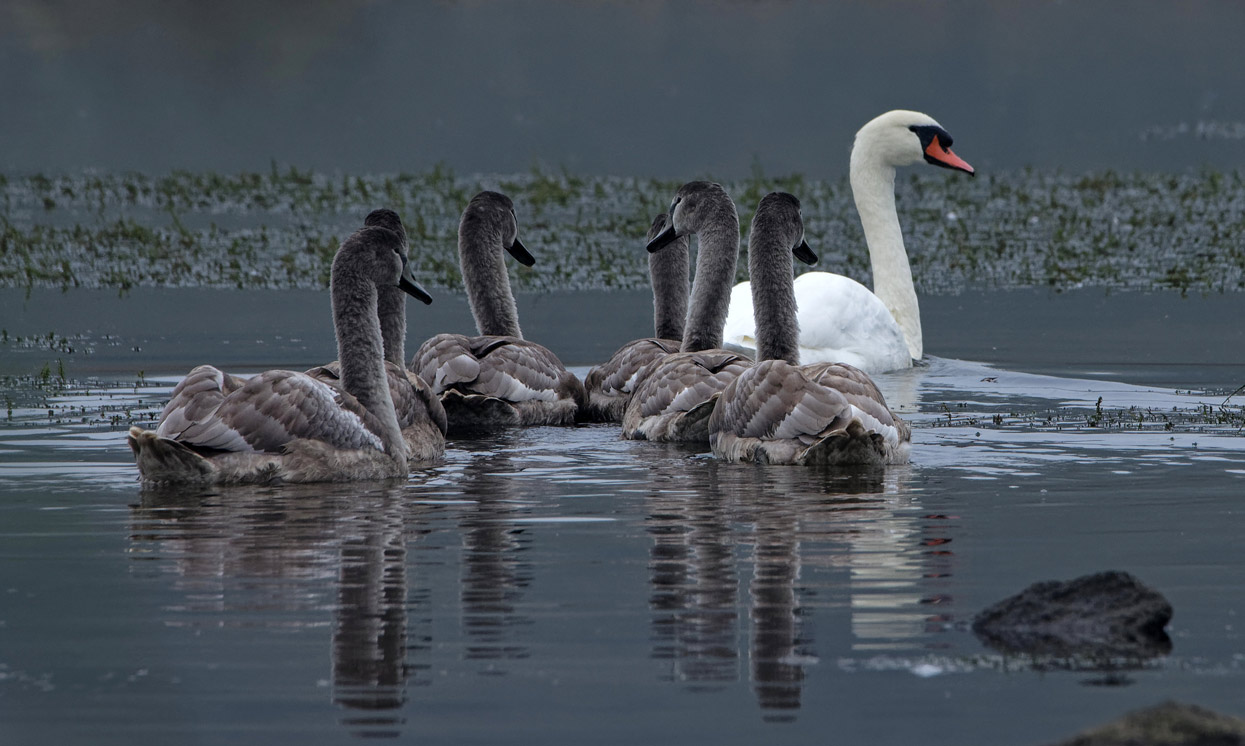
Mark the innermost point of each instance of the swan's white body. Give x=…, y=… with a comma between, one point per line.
x=840, y=319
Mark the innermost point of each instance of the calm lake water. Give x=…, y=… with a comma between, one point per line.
x=563, y=586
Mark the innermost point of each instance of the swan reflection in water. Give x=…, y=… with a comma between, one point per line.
x=493, y=577
x=276, y=551
x=370, y=669
x=754, y=573
x=866, y=522
x=277, y=554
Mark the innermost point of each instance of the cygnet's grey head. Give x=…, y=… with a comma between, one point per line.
x=491, y=214
x=377, y=255
x=386, y=218
x=902, y=138
x=697, y=204
x=389, y=220
x=778, y=214
x=659, y=225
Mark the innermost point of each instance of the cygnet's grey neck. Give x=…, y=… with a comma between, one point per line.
x=392, y=310
x=773, y=292
x=391, y=300
x=481, y=251
x=717, y=252
x=360, y=348
x=873, y=189
x=668, y=272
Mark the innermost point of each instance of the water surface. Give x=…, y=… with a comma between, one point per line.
x=559, y=585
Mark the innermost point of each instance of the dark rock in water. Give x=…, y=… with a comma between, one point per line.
x=1168, y=724
x=1102, y=616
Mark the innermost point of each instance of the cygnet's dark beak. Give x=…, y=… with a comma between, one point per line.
x=663, y=239
x=804, y=253
x=408, y=285
x=520, y=253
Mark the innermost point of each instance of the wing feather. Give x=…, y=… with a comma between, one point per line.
x=776, y=402
x=619, y=374
x=263, y=413
x=508, y=368
x=413, y=400
x=681, y=381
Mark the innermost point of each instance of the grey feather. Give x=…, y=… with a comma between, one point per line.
x=673, y=396
x=487, y=227
x=610, y=384
x=668, y=273
x=421, y=417
x=286, y=426
x=420, y=413
x=704, y=208
x=780, y=412
x=391, y=301
x=666, y=405
x=497, y=379
x=500, y=373
x=776, y=231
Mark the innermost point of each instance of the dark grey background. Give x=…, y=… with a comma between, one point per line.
x=646, y=87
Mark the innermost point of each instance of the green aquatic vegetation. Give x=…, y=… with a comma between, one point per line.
x=51, y=341
x=280, y=227
x=1222, y=419
x=35, y=401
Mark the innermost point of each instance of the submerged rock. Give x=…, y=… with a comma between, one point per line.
x=1108, y=615
x=1167, y=724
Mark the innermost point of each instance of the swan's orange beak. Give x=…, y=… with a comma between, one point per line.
x=936, y=153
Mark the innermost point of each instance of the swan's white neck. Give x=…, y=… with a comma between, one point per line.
x=873, y=188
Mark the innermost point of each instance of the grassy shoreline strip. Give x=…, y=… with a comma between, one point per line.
x=279, y=229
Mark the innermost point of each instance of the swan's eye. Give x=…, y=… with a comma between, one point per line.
x=928, y=133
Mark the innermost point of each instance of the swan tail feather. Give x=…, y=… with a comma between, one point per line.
x=845, y=443
x=477, y=414
x=164, y=460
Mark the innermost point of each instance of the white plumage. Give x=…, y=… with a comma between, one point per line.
x=840, y=319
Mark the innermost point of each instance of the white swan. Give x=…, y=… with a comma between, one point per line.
x=419, y=410
x=496, y=379
x=840, y=319
x=610, y=384
x=778, y=411
x=282, y=426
